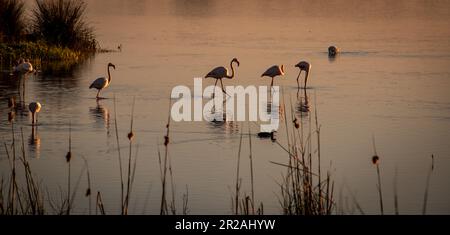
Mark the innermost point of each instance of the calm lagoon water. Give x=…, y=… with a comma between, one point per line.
x=392, y=81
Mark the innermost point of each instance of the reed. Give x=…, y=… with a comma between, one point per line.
x=119, y=159
x=238, y=179
x=129, y=172
x=251, y=171
x=88, y=190
x=427, y=185
x=68, y=160
x=376, y=161
x=303, y=192
x=163, y=207
x=395, y=192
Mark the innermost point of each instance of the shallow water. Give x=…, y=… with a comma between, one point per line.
x=392, y=81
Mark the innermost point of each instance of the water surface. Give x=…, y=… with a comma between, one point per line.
x=392, y=81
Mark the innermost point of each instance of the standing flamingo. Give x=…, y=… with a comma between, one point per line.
x=222, y=72
x=303, y=66
x=34, y=108
x=273, y=72
x=102, y=82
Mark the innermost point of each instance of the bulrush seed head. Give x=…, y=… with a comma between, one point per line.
x=11, y=103
x=68, y=156
x=375, y=159
x=11, y=116
x=131, y=136
x=296, y=123
x=166, y=140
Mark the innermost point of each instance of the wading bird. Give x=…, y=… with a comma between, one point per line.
x=222, y=72
x=102, y=82
x=333, y=51
x=303, y=66
x=23, y=67
x=273, y=72
x=34, y=108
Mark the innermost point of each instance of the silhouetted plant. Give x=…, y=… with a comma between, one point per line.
x=61, y=22
x=12, y=24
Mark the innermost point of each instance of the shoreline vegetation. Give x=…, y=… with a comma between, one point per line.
x=55, y=31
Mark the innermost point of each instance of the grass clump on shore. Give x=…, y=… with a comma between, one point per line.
x=55, y=31
x=62, y=23
x=12, y=23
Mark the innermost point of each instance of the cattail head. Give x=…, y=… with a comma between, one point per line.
x=11, y=103
x=296, y=123
x=131, y=136
x=68, y=156
x=166, y=140
x=11, y=116
x=375, y=159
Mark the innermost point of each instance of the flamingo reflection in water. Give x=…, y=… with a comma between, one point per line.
x=34, y=141
x=101, y=114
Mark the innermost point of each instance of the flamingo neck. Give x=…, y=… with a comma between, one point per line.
x=232, y=70
x=306, y=77
x=109, y=75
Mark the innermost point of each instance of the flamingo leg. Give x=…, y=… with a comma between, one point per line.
x=223, y=89
x=306, y=78
x=98, y=92
x=33, y=117
x=214, y=92
x=271, y=84
x=298, y=84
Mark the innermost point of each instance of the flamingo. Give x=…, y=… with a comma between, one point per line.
x=222, y=72
x=273, y=72
x=102, y=82
x=303, y=66
x=333, y=51
x=34, y=108
x=24, y=67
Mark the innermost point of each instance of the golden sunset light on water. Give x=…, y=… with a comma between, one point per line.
x=188, y=107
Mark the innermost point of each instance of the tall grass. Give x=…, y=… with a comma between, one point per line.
x=302, y=191
x=12, y=22
x=62, y=22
